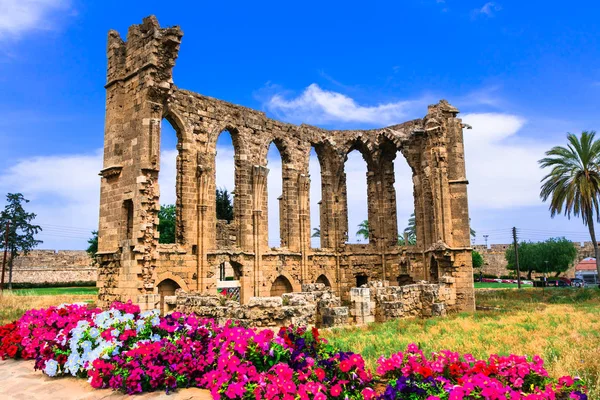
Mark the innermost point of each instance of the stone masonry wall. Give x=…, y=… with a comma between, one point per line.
x=141, y=93
x=49, y=266
x=315, y=305
x=495, y=262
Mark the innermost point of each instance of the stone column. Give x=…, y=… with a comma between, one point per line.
x=259, y=180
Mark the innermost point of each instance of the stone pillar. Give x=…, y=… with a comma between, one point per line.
x=362, y=309
x=139, y=79
x=259, y=180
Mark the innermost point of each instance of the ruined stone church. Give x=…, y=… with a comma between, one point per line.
x=140, y=93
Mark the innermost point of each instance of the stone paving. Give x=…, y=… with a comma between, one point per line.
x=19, y=381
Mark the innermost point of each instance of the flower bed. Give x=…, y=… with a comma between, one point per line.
x=135, y=352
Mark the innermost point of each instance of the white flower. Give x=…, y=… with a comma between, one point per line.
x=155, y=337
x=51, y=368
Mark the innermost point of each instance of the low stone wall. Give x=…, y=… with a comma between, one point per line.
x=380, y=303
x=316, y=305
x=49, y=266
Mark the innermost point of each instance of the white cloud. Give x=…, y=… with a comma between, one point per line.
x=489, y=9
x=317, y=106
x=502, y=170
x=21, y=16
x=64, y=192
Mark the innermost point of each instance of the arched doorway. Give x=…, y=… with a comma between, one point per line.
x=323, y=279
x=280, y=286
x=166, y=288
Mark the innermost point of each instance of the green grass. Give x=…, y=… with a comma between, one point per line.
x=562, y=325
x=497, y=285
x=55, y=291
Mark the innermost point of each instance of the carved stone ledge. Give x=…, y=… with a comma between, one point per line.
x=111, y=172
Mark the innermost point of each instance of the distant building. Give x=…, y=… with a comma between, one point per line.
x=586, y=270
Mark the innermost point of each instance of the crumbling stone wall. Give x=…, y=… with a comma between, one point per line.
x=315, y=305
x=141, y=93
x=49, y=266
x=380, y=302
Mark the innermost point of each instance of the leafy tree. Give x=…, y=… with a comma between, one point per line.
x=21, y=235
x=224, y=205
x=411, y=229
x=529, y=257
x=363, y=229
x=573, y=183
x=559, y=252
x=477, y=259
x=316, y=232
x=166, y=223
x=472, y=231
x=93, y=246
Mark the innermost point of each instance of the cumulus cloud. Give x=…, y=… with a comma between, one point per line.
x=21, y=16
x=318, y=106
x=64, y=191
x=489, y=9
x=502, y=169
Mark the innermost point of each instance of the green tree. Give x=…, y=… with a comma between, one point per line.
x=166, y=223
x=573, y=183
x=411, y=228
x=316, y=232
x=529, y=257
x=560, y=254
x=477, y=259
x=224, y=205
x=363, y=229
x=93, y=246
x=21, y=234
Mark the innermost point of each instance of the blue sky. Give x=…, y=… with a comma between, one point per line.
x=522, y=73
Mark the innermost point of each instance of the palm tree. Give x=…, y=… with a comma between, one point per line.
x=573, y=183
x=316, y=232
x=363, y=229
x=411, y=229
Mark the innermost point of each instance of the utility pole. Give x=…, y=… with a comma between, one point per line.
x=516, y=245
x=486, y=237
x=5, y=254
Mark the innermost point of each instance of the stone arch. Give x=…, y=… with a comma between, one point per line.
x=166, y=287
x=178, y=123
x=177, y=279
x=280, y=286
x=324, y=280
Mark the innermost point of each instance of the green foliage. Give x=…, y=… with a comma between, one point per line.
x=316, y=232
x=477, y=259
x=363, y=229
x=21, y=235
x=559, y=252
x=93, y=244
x=573, y=183
x=224, y=205
x=166, y=223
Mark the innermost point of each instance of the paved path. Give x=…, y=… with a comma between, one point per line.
x=19, y=381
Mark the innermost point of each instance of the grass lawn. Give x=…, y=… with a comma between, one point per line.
x=561, y=325
x=497, y=285
x=14, y=303
x=53, y=291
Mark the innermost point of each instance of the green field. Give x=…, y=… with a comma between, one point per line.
x=496, y=285
x=562, y=325
x=55, y=291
